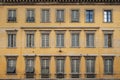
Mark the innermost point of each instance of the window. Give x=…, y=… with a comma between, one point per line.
x=45, y=67
x=30, y=15
x=108, y=65
x=60, y=67
x=60, y=40
x=89, y=15
x=90, y=39
x=75, y=39
x=75, y=65
x=90, y=67
x=11, y=65
x=45, y=15
x=60, y=16
x=107, y=40
x=107, y=16
x=30, y=39
x=45, y=40
x=12, y=15
x=11, y=39
x=74, y=15
x=29, y=65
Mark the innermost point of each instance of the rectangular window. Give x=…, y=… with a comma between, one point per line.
x=30, y=15
x=60, y=66
x=60, y=40
x=75, y=39
x=11, y=40
x=30, y=40
x=89, y=16
x=45, y=40
x=74, y=15
x=90, y=39
x=45, y=15
x=107, y=40
x=107, y=16
x=75, y=67
x=60, y=16
x=29, y=65
x=12, y=15
x=60, y=61
x=108, y=65
x=90, y=64
x=45, y=67
x=11, y=65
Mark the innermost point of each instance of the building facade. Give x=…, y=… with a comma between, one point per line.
x=59, y=39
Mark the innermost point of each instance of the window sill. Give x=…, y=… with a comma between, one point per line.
x=108, y=47
x=60, y=47
x=90, y=47
x=29, y=47
x=75, y=47
x=108, y=73
x=30, y=22
x=45, y=22
x=11, y=73
x=12, y=47
x=45, y=47
x=11, y=21
x=60, y=73
x=45, y=74
x=75, y=73
x=60, y=21
x=75, y=22
x=108, y=22
x=90, y=22
x=90, y=73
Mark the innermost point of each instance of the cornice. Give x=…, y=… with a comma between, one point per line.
x=59, y=2
x=95, y=27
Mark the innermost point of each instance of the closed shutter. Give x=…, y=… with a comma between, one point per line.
x=30, y=66
x=9, y=40
x=45, y=15
x=14, y=40
x=90, y=63
x=60, y=66
x=32, y=40
x=91, y=15
x=108, y=66
x=90, y=40
x=75, y=40
x=11, y=66
x=45, y=40
x=60, y=16
x=75, y=15
x=106, y=40
x=60, y=40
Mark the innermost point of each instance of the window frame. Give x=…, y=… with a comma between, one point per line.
x=12, y=19
x=111, y=16
x=8, y=58
x=93, y=16
x=109, y=58
x=58, y=32
x=45, y=75
x=44, y=20
x=57, y=17
x=13, y=34
x=78, y=12
x=32, y=43
x=30, y=19
x=26, y=66
x=88, y=42
x=108, y=32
